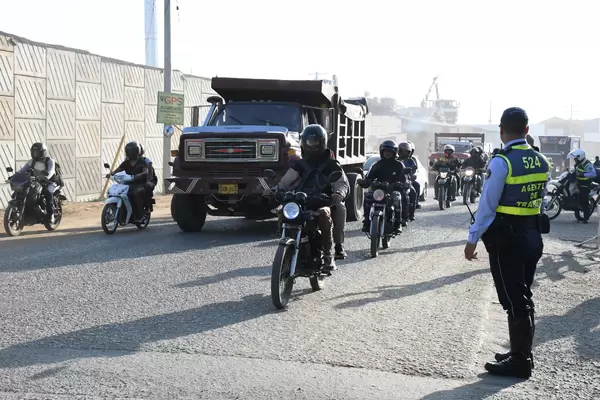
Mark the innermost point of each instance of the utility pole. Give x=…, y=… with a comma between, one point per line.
x=490, y=117
x=167, y=75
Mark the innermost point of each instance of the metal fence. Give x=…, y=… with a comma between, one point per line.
x=80, y=105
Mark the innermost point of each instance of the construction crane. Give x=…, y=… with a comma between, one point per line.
x=443, y=110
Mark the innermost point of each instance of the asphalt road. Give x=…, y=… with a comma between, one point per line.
x=162, y=314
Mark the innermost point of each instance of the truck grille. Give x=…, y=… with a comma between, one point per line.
x=230, y=150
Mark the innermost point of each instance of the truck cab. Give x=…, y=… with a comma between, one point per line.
x=253, y=125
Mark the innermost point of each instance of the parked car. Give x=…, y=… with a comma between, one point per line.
x=421, y=173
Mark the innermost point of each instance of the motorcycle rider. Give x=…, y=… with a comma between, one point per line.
x=585, y=173
x=476, y=162
x=135, y=165
x=310, y=175
x=405, y=154
x=43, y=168
x=390, y=170
x=453, y=163
x=153, y=180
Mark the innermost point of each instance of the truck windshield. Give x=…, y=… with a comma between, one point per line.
x=287, y=115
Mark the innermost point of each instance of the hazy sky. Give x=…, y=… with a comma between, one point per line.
x=541, y=55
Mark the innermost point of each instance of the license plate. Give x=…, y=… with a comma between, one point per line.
x=228, y=189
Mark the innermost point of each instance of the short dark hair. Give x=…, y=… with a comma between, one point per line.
x=514, y=120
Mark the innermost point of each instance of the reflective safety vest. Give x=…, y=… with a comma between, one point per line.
x=525, y=182
x=581, y=171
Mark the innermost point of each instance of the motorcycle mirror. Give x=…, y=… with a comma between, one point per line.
x=171, y=163
x=359, y=181
x=431, y=163
x=269, y=173
x=106, y=166
x=335, y=176
x=9, y=169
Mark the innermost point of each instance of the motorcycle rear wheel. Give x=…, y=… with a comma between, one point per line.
x=8, y=219
x=281, y=281
x=143, y=224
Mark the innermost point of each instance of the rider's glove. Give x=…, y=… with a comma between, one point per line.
x=337, y=198
x=268, y=192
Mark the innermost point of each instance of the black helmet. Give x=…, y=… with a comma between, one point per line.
x=388, y=145
x=313, y=140
x=141, y=150
x=132, y=150
x=474, y=151
x=38, y=151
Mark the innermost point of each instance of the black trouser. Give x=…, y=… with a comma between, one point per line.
x=417, y=187
x=584, y=201
x=137, y=193
x=49, y=195
x=515, y=246
x=412, y=197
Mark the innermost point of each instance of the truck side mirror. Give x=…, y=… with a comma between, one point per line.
x=269, y=173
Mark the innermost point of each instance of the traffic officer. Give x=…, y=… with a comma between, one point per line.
x=585, y=173
x=510, y=223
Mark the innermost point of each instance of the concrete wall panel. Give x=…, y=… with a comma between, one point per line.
x=7, y=118
x=7, y=80
x=60, y=121
x=61, y=75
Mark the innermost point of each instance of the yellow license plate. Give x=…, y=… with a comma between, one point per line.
x=228, y=189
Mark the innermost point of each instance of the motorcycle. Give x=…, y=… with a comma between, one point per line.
x=444, y=194
x=28, y=204
x=382, y=214
x=299, y=251
x=562, y=195
x=117, y=196
x=469, y=185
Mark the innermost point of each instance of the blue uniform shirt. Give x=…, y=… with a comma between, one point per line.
x=490, y=197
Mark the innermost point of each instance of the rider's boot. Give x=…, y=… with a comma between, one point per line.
x=397, y=223
x=340, y=253
x=328, y=261
x=366, y=225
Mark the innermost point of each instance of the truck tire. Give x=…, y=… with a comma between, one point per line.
x=189, y=211
x=354, y=202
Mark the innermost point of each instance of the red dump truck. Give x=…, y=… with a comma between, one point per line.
x=253, y=125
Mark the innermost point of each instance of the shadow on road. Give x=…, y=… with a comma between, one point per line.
x=29, y=254
x=130, y=336
x=554, y=267
x=387, y=293
x=580, y=322
x=237, y=273
x=487, y=386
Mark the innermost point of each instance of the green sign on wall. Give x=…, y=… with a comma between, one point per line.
x=170, y=108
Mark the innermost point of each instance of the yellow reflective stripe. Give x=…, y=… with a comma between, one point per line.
x=520, y=211
x=521, y=147
x=507, y=163
x=517, y=180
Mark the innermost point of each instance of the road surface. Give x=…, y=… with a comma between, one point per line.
x=161, y=314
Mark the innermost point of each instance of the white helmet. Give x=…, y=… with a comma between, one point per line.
x=578, y=155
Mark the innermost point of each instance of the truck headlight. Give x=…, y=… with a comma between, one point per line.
x=267, y=150
x=291, y=211
x=195, y=150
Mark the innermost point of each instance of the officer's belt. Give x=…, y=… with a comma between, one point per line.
x=531, y=221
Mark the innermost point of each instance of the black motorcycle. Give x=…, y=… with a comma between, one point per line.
x=469, y=184
x=444, y=187
x=28, y=204
x=382, y=214
x=561, y=198
x=299, y=253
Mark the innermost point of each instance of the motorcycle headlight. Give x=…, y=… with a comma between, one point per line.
x=378, y=195
x=443, y=175
x=291, y=211
x=469, y=172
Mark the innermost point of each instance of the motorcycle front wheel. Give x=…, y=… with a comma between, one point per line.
x=13, y=222
x=281, y=281
x=553, y=208
x=110, y=218
x=466, y=192
x=375, y=238
x=442, y=196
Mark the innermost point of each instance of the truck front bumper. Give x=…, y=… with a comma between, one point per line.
x=218, y=187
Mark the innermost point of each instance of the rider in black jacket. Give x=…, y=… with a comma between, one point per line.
x=390, y=170
x=477, y=163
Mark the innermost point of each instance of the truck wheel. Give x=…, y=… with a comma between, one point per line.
x=354, y=202
x=189, y=211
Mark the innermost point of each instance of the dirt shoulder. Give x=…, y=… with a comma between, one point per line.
x=87, y=214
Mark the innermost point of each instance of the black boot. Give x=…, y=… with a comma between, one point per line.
x=504, y=356
x=518, y=364
x=366, y=226
x=340, y=254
